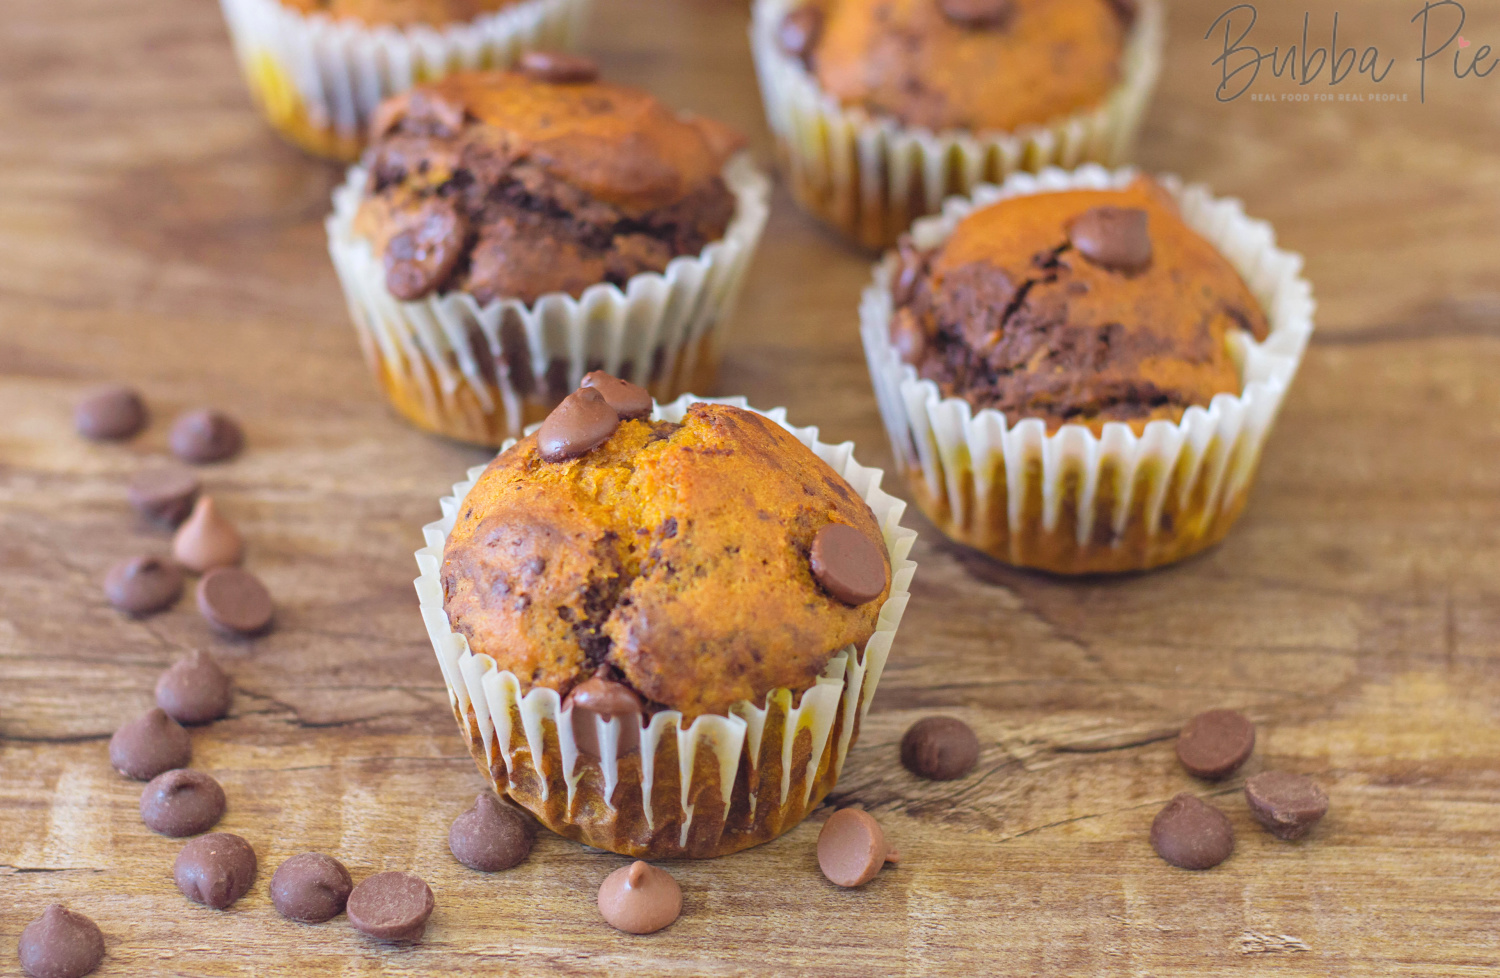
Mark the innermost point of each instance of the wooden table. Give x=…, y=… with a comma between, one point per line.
x=153, y=231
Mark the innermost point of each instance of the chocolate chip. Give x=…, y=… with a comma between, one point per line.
x=1114, y=238
x=1287, y=804
x=205, y=436
x=215, y=869
x=939, y=748
x=577, y=426
x=420, y=259
x=150, y=744
x=1215, y=743
x=599, y=696
x=234, y=601
x=207, y=540
x=851, y=848
x=444, y=114
x=194, y=689
x=182, y=802
x=490, y=837
x=142, y=585
x=630, y=402
x=388, y=115
x=1191, y=834
x=61, y=944
x=848, y=564
x=1126, y=10
x=557, y=67
x=164, y=496
x=799, y=31
x=391, y=907
x=311, y=888
x=640, y=899
x=110, y=414
x=976, y=14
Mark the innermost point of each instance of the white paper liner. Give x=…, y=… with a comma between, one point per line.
x=659, y=325
x=846, y=686
x=976, y=469
x=314, y=72
x=870, y=176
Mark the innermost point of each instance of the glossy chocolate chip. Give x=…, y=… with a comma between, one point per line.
x=215, y=869
x=848, y=564
x=577, y=426
x=630, y=402
x=182, y=802
x=602, y=697
x=420, y=259
x=797, y=34
x=939, y=748
x=61, y=944
x=976, y=14
x=1191, y=834
x=391, y=907
x=1114, y=238
x=1215, y=743
x=491, y=836
x=110, y=413
x=205, y=436
x=150, y=744
x=311, y=888
x=164, y=496
x=640, y=899
x=194, y=689
x=234, y=601
x=207, y=540
x=851, y=848
x=558, y=68
x=142, y=585
x=1287, y=804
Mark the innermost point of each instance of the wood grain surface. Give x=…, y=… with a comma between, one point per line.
x=152, y=230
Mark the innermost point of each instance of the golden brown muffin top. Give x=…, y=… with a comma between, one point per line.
x=1082, y=306
x=944, y=64
x=401, y=13
x=677, y=554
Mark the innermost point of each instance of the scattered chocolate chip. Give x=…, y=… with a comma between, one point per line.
x=1192, y=834
x=799, y=30
x=851, y=848
x=1287, y=804
x=581, y=423
x=234, y=601
x=205, y=436
x=420, y=259
x=630, y=402
x=61, y=944
x=164, y=496
x=311, y=888
x=207, y=540
x=1215, y=743
x=848, y=564
x=1114, y=238
x=491, y=836
x=939, y=748
x=142, y=585
x=194, y=689
x=182, y=802
x=150, y=744
x=391, y=907
x=976, y=14
x=640, y=899
x=110, y=414
x=215, y=869
x=558, y=68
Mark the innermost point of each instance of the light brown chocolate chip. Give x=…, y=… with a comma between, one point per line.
x=215, y=869
x=797, y=35
x=1114, y=238
x=194, y=689
x=142, y=585
x=851, y=848
x=976, y=14
x=640, y=899
x=110, y=413
x=234, y=601
x=61, y=944
x=630, y=402
x=558, y=67
x=419, y=260
x=182, y=802
x=490, y=837
x=207, y=540
x=848, y=564
x=164, y=496
x=1215, y=743
x=1191, y=834
x=311, y=888
x=599, y=696
x=939, y=748
x=206, y=436
x=577, y=426
x=391, y=907
x=1287, y=804
x=148, y=745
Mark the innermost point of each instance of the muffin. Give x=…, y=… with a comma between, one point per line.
x=508, y=232
x=317, y=69
x=1078, y=371
x=883, y=108
x=661, y=626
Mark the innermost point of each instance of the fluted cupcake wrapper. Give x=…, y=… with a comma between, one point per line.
x=702, y=788
x=318, y=80
x=1074, y=501
x=870, y=176
x=481, y=373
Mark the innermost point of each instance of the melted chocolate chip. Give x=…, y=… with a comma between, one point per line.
x=420, y=259
x=558, y=68
x=847, y=564
x=630, y=402
x=1114, y=238
x=602, y=698
x=577, y=426
x=976, y=14
x=798, y=33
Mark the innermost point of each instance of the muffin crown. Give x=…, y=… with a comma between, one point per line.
x=401, y=13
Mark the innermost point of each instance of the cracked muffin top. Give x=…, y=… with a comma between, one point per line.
x=516, y=184
x=401, y=13
x=1084, y=306
x=982, y=65
x=681, y=560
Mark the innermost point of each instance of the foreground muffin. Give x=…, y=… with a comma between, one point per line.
x=1078, y=371
x=661, y=628
x=509, y=231
x=883, y=108
x=317, y=69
